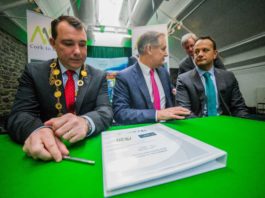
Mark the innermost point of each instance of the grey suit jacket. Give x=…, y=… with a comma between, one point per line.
x=35, y=102
x=191, y=94
x=187, y=64
x=131, y=100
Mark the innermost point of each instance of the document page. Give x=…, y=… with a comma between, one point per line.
x=141, y=154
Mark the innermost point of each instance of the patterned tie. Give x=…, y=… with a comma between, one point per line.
x=155, y=91
x=211, y=96
x=70, y=92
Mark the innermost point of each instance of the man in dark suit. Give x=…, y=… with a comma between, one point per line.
x=187, y=64
x=208, y=91
x=61, y=98
x=142, y=92
x=132, y=60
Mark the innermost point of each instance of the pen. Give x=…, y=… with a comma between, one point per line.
x=91, y=162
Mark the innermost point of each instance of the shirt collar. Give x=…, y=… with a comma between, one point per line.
x=63, y=69
x=201, y=72
x=145, y=69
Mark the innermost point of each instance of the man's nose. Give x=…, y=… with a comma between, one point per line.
x=200, y=53
x=190, y=49
x=76, y=49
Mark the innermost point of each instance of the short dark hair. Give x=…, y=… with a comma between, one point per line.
x=208, y=38
x=150, y=37
x=73, y=21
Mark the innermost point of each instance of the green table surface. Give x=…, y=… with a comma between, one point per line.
x=244, y=176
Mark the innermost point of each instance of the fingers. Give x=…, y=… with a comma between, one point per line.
x=65, y=128
x=172, y=113
x=62, y=125
x=76, y=138
x=61, y=146
x=57, y=123
x=52, y=148
x=41, y=145
x=175, y=115
x=36, y=150
x=78, y=130
x=70, y=127
x=178, y=111
x=178, y=117
x=183, y=110
x=68, y=135
x=73, y=135
x=44, y=144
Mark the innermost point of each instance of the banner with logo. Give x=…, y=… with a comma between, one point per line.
x=138, y=31
x=111, y=66
x=39, y=32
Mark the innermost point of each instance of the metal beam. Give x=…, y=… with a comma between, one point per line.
x=13, y=5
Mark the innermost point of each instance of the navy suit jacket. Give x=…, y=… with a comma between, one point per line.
x=131, y=100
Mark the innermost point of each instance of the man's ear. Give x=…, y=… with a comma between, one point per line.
x=215, y=54
x=52, y=42
x=148, y=49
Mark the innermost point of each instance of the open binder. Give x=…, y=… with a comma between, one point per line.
x=141, y=157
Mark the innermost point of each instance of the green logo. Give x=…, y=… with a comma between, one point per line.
x=43, y=33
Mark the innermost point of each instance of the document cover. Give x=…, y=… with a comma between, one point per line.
x=141, y=157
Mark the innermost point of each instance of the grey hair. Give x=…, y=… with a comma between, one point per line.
x=185, y=37
x=150, y=37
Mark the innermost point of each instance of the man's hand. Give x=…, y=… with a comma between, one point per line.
x=172, y=113
x=69, y=126
x=43, y=144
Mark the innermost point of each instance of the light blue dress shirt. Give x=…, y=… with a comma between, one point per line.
x=211, y=71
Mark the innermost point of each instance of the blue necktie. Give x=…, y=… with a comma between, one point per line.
x=211, y=96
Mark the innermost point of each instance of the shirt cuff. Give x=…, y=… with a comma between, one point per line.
x=92, y=127
x=159, y=120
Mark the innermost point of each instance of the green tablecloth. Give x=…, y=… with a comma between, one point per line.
x=244, y=176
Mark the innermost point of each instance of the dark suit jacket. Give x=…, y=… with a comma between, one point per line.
x=131, y=100
x=187, y=64
x=35, y=102
x=191, y=94
x=132, y=60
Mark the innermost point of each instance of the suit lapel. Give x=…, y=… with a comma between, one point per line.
x=221, y=88
x=219, y=82
x=82, y=91
x=165, y=85
x=197, y=82
x=139, y=79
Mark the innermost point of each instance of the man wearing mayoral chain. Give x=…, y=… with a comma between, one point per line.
x=60, y=99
